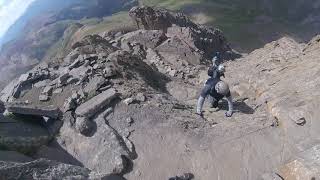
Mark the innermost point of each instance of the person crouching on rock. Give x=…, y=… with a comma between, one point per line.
x=217, y=89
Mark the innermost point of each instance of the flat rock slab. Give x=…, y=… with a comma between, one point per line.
x=41, y=169
x=29, y=109
x=22, y=136
x=95, y=104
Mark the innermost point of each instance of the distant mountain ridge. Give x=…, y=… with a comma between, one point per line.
x=35, y=9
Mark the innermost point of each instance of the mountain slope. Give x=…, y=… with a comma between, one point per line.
x=44, y=31
x=249, y=24
x=125, y=104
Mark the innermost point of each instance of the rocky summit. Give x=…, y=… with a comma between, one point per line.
x=122, y=106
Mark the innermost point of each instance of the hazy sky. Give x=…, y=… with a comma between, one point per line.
x=10, y=11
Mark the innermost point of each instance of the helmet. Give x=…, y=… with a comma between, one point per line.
x=221, y=69
x=218, y=54
x=222, y=88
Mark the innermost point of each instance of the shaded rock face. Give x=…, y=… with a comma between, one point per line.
x=29, y=109
x=158, y=19
x=13, y=156
x=41, y=169
x=177, y=25
x=22, y=136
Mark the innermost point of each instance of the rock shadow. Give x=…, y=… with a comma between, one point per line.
x=147, y=73
x=238, y=106
x=58, y=153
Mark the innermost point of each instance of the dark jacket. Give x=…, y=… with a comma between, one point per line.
x=209, y=89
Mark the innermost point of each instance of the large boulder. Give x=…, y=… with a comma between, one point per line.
x=104, y=151
x=147, y=38
x=42, y=169
x=96, y=104
x=176, y=49
x=149, y=18
x=35, y=110
x=190, y=36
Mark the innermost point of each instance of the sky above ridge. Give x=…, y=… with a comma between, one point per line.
x=10, y=12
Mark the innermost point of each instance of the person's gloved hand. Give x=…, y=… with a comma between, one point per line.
x=200, y=113
x=229, y=113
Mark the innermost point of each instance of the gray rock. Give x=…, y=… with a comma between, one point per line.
x=76, y=63
x=40, y=84
x=73, y=80
x=198, y=38
x=109, y=70
x=58, y=91
x=26, y=80
x=94, y=84
x=29, y=109
x=68, y=119
x=42, y=169
x=80, y=71
x=149, y=39
x=100, y=152
x=175, y=49
x=95, y=104
x=47, y=90
x=72, y=56
x=128, y=101
x=84, y=126
x=63, y=79
x=43, y=97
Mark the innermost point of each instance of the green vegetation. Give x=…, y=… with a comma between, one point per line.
x=116, y=21
x=170, y=4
